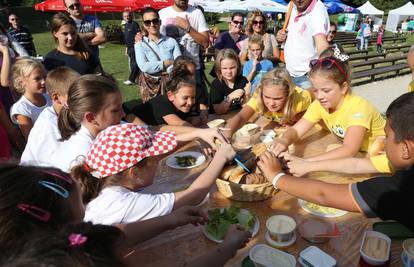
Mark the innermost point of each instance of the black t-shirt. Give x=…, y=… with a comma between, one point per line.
x=389, y=198
x=56, y=58
x=153, y=111
x=131, y=29
x=219, y=90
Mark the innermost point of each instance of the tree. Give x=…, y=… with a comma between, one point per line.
x=385, y=5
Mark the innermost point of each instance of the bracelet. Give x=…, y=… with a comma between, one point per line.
x=276, y=179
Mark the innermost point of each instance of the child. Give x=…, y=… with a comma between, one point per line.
x=410, y=60
x=351, y=118
x=230, y=89
x=52, y=202
x=29, y=81
x=383, y=197
x=380, y=34
x=254, y=69
x=172, y=108
x=276, y=98
x=110, y=181
x=44, y=136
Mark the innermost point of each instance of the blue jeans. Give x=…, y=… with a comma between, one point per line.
x=302, y=81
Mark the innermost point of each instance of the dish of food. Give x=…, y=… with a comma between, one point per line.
x=185, y=160
x=321, y=211
x=220, y=220
x=376, y=248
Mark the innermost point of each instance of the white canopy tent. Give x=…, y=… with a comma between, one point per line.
x=397, y=15
x=237, y=5
x=369, y=9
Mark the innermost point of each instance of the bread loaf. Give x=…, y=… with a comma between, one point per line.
x=259, y=149
x=254, y=178
x=237, y=178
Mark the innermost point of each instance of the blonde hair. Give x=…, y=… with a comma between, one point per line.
x=250, y=17
x=59, y=80
x=226, y=54
x=279, y=77
x=256, y=39
x=22, y=69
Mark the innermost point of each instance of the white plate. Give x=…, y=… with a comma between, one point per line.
x=254, y=231
x=338, y=213
x=172, y=161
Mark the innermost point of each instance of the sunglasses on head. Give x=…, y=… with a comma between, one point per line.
x=236, y=22
x=261, y=22
x=155, y=21
x=326, y=63
x=75, y=5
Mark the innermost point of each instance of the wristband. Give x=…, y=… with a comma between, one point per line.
x=276, y=179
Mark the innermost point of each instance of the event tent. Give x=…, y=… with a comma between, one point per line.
x=242, y=6
x=395, y=16
x=336, y=6
x=369, y=9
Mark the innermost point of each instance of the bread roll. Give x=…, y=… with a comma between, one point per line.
x=231, y=171
x=254, y=178
x=259, y=149
x=237, y=178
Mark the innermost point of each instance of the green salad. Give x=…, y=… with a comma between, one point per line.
x=221, y=219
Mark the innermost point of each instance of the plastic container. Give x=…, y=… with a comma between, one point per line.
x=281, y=228
x=264, y=256
x=407, y=256
x=310, y=228
x=372, y=260
x=315, y=257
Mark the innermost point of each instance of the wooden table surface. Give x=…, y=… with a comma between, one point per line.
x=173, y=247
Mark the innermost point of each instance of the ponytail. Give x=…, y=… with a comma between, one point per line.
x=67, y=125
x=90, y=186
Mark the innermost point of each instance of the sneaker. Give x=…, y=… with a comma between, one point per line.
x=128, y=82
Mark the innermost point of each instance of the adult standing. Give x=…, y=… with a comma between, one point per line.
x=89, y=27
x=131, y=28
x=232, y=37
x=305, y=38
x=22, y=35
x=257, y=25
x=155, y=56
x=188, y=26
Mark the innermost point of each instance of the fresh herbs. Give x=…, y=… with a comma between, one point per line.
x=221, y=219
x=186, y=161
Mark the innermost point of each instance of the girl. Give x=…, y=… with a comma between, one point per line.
x=51, y=202
x=70, y=50
x=277, y=99
x=174, y=107
x=230, y=89
x=380, y=34
x=351, y=118
x=110, y=181
x=29, y=81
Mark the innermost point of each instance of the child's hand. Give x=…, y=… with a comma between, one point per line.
x=236, y=237
x=247, y=89
x=186, y=215
x=236, y=94
x=210, y=134
x=297, y=166
x=269, y=165
x=278, y=146
x=255, y=62
x=226, y=151
x=4, y=49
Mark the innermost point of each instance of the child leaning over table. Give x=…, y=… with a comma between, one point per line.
x=383, y=197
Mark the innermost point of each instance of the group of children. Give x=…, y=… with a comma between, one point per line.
x=86, y=159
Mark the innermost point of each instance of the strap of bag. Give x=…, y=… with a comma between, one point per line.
x=152, y=49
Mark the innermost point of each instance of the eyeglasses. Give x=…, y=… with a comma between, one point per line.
x=332, y=31
x=326, y=63
x=14, y=19
x=261, y=22
x=236, y=22
x=75, y=5
x=155, y=21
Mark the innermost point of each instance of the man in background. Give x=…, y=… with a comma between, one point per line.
x=131, y=28
x=22, y=35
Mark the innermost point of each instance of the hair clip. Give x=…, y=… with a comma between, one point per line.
x=66, y=178
x=35, y=212
x=77, y=240
x=55, y=188
x=338, y=55
x=86, y=167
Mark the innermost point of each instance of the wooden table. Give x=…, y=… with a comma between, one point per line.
x=173, y=247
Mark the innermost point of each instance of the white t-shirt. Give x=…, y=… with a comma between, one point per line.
x=24, y=107
x=43, y=139
x=300, y=46
x=116, y=204
x=197, y=22
x=71, y=152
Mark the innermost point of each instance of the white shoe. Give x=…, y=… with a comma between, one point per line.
x=128, y=82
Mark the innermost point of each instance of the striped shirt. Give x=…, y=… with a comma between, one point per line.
x=24, y=38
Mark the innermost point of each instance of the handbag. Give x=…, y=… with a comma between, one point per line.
x=150, y=86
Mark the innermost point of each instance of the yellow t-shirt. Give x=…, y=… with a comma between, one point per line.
x=382, y=164
x=301, y=101
x=411, y=86
x=354, y=111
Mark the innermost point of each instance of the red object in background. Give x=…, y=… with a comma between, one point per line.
x=90, y=6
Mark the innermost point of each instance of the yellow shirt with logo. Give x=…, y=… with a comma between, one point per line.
x=382, y=164
x=354, y=111
x=411, y=87
x=301, y=101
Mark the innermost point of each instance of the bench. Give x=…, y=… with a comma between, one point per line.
x=374, y=40
x=396, y=47
x=355, y=52
x=366, y=57
x=372, y=73
x=376, y=61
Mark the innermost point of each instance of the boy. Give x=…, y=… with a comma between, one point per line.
x=44, y=136
x=383, y=197
x=254, y=69
x=410, y=60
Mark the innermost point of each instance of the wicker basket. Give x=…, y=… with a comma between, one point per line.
x=245, y=192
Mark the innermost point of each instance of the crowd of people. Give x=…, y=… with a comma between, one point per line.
x=74, y=198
